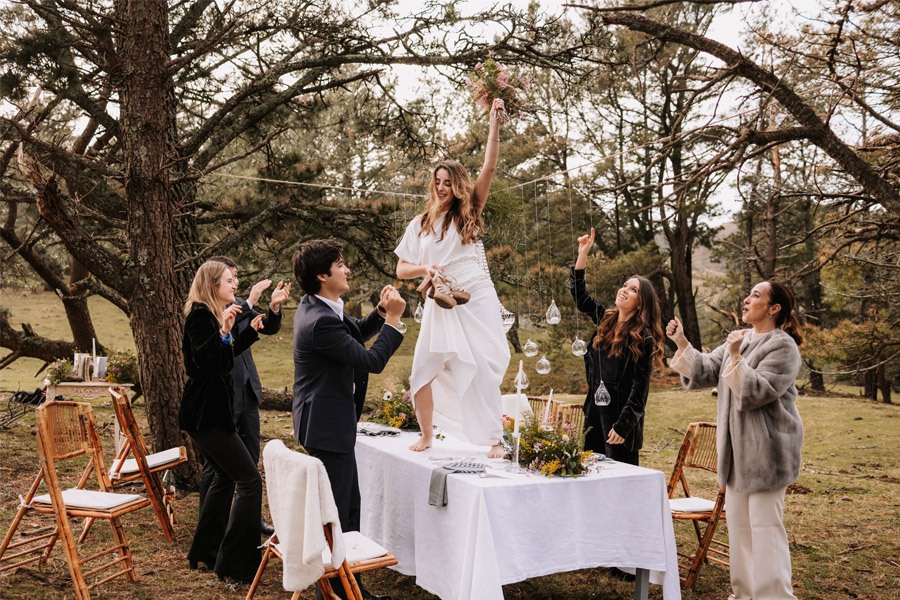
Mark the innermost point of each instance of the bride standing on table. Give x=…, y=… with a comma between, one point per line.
x=461, y=354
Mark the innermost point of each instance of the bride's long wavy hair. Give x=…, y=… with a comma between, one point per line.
x=462, y=210
x=614, y=337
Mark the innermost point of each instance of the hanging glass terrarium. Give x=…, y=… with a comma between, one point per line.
x=553, y=315
x=530, y=349
x=579, y=347
x=542, y=366
x=521, y=380
x=419, y=312
x=507, y=317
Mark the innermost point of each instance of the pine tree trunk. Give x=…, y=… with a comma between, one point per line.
x=148, y=131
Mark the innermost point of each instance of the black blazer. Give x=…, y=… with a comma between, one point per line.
x=626, y=379
x=244, y=370
x=207, y=402
x=331, y=372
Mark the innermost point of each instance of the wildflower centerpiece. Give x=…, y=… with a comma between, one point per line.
x=122, y=367
x=60, y=371
x=491, y=80
x=549, y=450
x=395, y=410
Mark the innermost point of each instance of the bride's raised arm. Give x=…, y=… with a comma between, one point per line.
x=483, y=183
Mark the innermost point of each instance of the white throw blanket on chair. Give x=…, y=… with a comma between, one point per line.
x=300, y=501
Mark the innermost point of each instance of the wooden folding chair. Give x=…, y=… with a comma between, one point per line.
x=362, y=554
x=66, y=430
x=144, y=466
x=698, y=452
x=569, y=418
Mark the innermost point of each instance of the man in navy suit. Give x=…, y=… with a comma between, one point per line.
x=244, y=377
x=332, y=366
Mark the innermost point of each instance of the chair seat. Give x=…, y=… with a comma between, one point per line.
x=157, y=459
x=91, y=499
x=691, y=505
x=359, y=548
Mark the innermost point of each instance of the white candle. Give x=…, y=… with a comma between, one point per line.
x=518, y=393
x=94, y=356
x=547, y=409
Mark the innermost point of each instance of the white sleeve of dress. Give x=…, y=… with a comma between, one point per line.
x=409, y=248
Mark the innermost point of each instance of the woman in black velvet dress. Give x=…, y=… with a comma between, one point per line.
x=626, y=345
x=227, y=535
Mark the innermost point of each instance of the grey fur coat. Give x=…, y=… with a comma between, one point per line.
x=759, y=431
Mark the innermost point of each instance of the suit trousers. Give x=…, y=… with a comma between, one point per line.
x=228, y=532
x=341, y=469
x=760, y=559
x=247, y=422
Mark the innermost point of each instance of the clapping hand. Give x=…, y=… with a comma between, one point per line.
x=256, y=291
x=675, y=331
x=257, y=322
x=281, y=293
x=228, y=316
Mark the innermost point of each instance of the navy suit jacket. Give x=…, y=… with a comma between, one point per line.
x=331, y=372
x=244, y=370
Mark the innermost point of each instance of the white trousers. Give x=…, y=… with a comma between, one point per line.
x=760, y=558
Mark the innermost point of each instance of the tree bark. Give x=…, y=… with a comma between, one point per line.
x=148, y=134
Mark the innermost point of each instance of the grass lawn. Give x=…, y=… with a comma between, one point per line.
x=842, y=516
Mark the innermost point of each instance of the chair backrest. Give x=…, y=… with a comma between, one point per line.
x=698, y=451
x=570, y=418
x=134, y=438
x=302, y=507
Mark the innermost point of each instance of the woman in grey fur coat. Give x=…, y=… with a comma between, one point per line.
x=759, y=433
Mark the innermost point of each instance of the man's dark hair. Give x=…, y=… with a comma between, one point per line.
x=224, y=259
x=314, y=258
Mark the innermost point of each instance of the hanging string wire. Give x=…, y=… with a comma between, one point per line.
x=572, y=233
x=537, y=235
x=549, y=241
x=522, y=253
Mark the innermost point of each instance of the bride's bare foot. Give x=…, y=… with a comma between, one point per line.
x=421, y=444
x=496, y=451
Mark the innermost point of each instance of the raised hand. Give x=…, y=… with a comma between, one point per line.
x=281, y=293
x=498, y=113
x=734, y=340
x=256, y=291
x=675, y=331
x=585, y=243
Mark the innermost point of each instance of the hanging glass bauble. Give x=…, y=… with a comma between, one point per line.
x=553, y=316
x=521, y=380
x=542, y=366
x=401, y=327
x=508, y=318
x=419, y=313
x=530, y=349
x=579, y=348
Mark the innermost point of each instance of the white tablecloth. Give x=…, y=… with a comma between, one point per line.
x=497, y=531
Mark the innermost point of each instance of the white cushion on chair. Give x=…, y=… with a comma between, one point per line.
x=359, y=548
x=691, y=504
x=153, y=460
x=76, y=498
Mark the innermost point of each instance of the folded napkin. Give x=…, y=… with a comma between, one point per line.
x=375, y=430
x=437, y=490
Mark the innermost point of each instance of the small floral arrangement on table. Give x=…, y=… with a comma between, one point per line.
x=491, y=80
x=59, y=371
x=395, y=410
x=552, y=451
x=122, y=367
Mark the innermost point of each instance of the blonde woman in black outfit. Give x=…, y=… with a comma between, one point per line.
x=227, y=535
x=627, y=343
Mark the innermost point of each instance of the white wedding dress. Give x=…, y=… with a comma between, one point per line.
x=463, y=349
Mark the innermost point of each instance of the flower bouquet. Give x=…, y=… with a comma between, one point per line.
x=395, y=410
x=122, y=367
x=552, y=451
x=490, y=81
x=59, y=371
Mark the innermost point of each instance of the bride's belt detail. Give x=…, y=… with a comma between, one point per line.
x=468, y=275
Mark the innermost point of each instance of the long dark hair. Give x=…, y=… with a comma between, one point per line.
x=614, y=338
x=785, y=319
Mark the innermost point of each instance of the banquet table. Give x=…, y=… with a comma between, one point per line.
x=500, y=530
